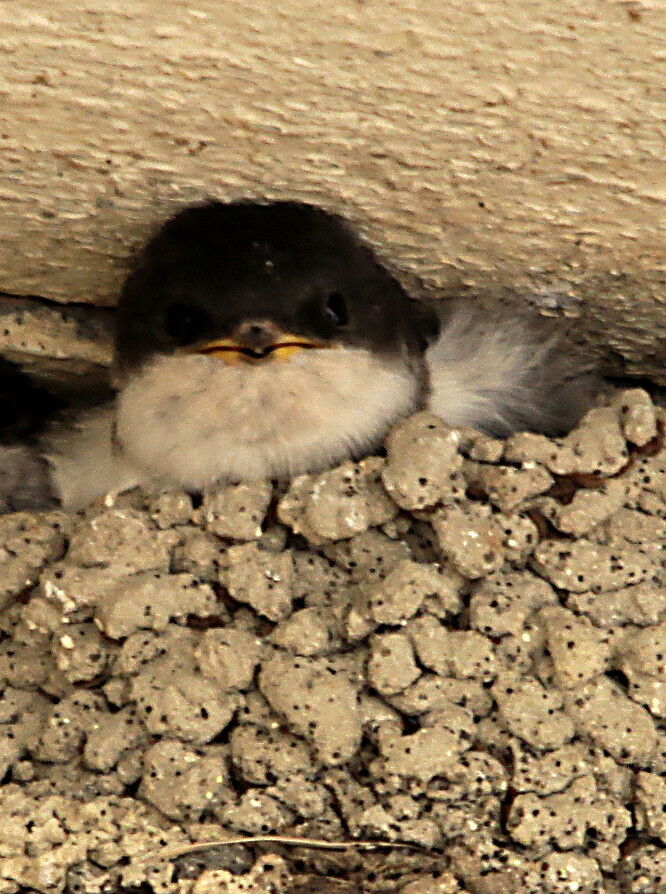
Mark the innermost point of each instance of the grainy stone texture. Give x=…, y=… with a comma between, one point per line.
x=339, y=503
x=514, y=151
x=261, y=579
x=468, y=677
x=237, y=510
x=422, y=463
x=68, y=347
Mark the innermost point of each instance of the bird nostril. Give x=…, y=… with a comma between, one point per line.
x=256, y=334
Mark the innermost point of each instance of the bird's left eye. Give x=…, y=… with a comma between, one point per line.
x=185, y=323
x=336, y=309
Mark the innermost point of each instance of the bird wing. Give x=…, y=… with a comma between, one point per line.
x=501, y=371
x=83, y=462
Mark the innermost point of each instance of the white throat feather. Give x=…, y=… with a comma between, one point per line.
x=192, y=420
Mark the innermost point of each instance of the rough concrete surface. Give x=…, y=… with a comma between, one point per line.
x=503, y=148
x=463, y=660
x=66, y=348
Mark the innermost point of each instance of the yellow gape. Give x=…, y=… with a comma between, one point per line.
x=233, y=354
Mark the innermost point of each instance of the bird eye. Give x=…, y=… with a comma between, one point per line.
x=336, y=309
x=185, y=323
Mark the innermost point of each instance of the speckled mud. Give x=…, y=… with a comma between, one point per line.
x=457, y=649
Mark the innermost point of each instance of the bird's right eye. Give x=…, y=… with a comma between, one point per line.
x=185, y=323
x=336, y=309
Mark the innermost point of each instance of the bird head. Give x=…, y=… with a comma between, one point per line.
x=286, y=325
x=247, y=283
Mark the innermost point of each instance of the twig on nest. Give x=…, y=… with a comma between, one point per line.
x=173, y=853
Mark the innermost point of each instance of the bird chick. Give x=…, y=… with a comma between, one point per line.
x=266, y=340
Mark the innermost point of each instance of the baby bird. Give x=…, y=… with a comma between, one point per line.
x=266, y=340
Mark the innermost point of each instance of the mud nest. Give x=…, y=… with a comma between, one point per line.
x=456, y=649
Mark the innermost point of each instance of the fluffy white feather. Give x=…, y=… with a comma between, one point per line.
x=194, y=420
x=501, y=373
x=84, y=464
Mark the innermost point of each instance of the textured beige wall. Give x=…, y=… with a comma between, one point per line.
x=509, y=146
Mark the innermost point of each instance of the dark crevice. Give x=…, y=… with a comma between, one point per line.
x=61, y=306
